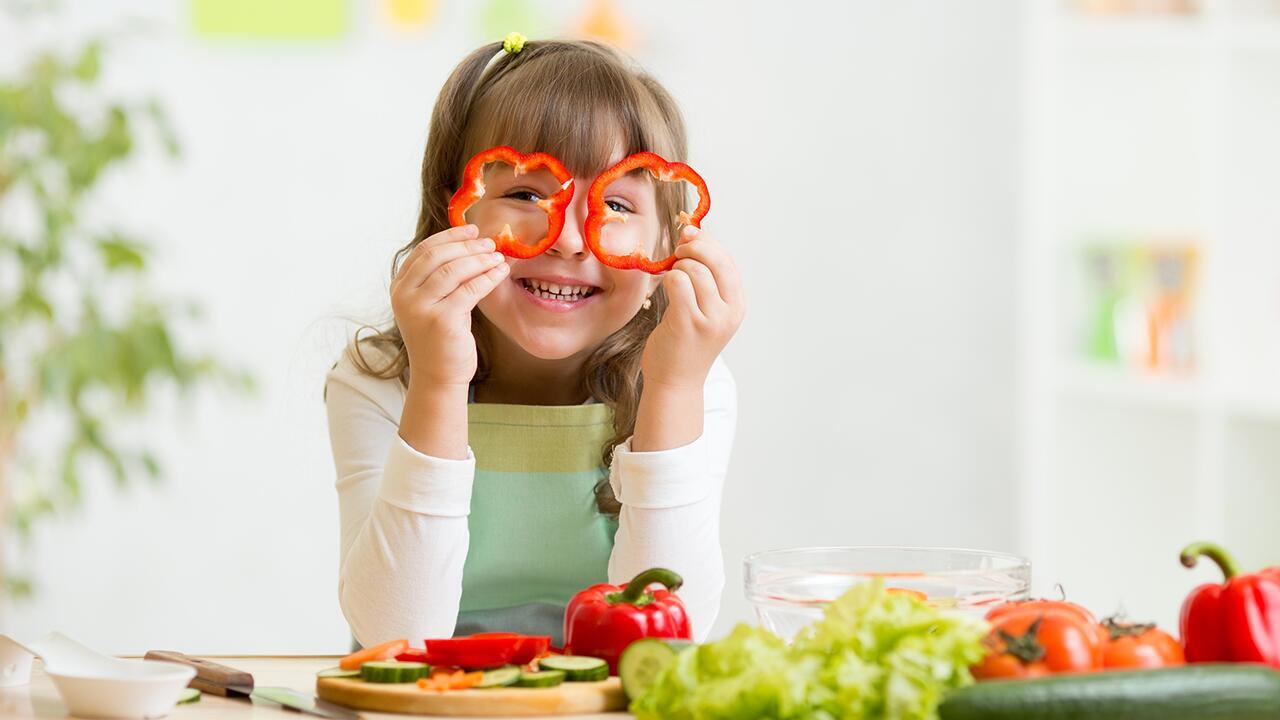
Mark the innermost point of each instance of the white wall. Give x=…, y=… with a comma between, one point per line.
x=863, y=159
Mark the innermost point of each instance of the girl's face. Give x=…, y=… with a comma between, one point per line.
x=564, y=302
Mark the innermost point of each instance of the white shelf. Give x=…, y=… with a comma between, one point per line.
x=1163, y=391
x=1150, y=123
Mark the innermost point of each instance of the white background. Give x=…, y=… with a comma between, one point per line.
x=864, y=160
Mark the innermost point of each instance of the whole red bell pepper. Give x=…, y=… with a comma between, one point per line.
x=1237, y=621
x=604, y=619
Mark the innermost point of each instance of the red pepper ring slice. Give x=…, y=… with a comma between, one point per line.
x=599, y=214
x=473, y=190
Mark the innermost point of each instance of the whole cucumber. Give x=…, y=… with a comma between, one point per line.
x=1209, y=691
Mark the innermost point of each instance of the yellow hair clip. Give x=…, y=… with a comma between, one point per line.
x=513, y=42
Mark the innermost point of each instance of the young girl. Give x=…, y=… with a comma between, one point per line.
x=527, y=428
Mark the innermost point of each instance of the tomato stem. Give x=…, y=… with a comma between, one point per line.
x=1026, y=647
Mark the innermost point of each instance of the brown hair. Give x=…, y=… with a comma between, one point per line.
x=579, y=101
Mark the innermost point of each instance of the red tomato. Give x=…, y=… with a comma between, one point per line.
x=1040, y=642
x=1134, y=646
x=1080, y=611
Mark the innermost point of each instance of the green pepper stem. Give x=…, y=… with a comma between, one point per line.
x=1215, y=553
x=634, y=591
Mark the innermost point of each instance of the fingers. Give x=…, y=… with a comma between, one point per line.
x=448, y=235
x=680, y=293
x=708, y=297
x=450, y=276
x=704, y=249
x=428, y=256
x=470, y=292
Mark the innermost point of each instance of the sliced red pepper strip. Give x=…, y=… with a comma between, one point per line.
x=477, y=652
x=527, y=649
x=413, y=655
x=599, y=214
x=473, y=189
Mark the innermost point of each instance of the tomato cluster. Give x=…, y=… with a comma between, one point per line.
x=1034, y=638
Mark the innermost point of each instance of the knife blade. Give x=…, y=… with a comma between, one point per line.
x=218, y=679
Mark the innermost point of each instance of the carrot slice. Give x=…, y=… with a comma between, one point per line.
x=385, y=651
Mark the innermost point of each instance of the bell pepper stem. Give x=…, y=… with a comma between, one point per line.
x=1214, y=552
x=635, y=589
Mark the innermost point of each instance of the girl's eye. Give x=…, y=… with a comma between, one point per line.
x=525, y=195
x=616, y=206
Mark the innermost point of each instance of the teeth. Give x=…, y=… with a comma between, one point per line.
x=552, y=291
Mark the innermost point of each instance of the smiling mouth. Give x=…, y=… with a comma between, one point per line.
x=552, y=291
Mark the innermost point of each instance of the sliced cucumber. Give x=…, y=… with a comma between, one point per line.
x=576, y=668
x=337, y=672
x=543, y=679
x=189, y=695
x=500, y=677
x=393, y=671
x=644, y=659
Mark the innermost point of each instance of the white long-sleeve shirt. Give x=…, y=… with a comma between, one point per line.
x=403, y=514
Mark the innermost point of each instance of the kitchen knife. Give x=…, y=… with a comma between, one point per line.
x=217, y=679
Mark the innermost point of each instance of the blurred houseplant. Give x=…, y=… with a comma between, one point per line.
x=84, y=344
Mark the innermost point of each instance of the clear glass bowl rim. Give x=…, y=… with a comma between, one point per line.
x=759, y=561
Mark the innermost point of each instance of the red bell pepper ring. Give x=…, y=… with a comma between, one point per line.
x=602, y=620
x=473, y=189
x=1237, y=621
x=599, y=214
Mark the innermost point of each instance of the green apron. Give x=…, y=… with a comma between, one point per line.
x=536, y=534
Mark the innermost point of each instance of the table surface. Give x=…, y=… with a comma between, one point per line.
x=40, y=698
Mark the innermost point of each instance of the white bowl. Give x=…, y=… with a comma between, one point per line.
x=15, y=663
x=126, y=689
x=789, y=588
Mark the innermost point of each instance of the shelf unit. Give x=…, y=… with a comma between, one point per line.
x=1153, y=126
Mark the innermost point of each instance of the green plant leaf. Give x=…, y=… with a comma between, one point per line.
x=89, y=63
x=121, y=253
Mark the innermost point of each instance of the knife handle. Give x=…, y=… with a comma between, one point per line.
x=211, y=677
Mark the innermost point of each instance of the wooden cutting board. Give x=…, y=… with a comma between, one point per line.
x=564, y=699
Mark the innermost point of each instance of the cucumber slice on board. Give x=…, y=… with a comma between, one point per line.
x=500, y=677
x=643, y=660
x=337, y=672
x=393, y=671
x=543, y=679
x=576, y=668
x=189, y=695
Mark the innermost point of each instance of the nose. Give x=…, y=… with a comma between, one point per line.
x=571, y=244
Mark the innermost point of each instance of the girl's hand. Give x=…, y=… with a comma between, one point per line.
x=432, y=296
x=705, y=308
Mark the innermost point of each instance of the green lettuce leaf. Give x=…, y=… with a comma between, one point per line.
x=873, y=655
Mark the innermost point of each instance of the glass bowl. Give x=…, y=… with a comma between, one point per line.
x=789, y=588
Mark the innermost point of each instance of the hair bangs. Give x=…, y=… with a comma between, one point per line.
x=576, y=104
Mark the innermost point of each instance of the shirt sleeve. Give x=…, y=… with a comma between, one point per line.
x=403, y=515
x=671, y=505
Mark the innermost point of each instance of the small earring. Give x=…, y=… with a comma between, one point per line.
x=647, y=304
